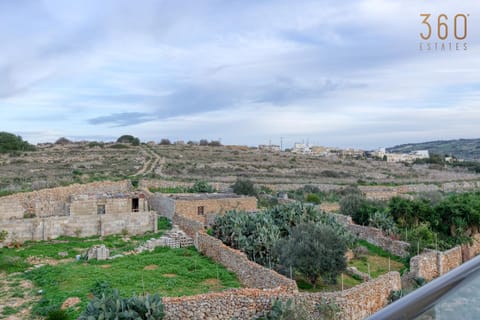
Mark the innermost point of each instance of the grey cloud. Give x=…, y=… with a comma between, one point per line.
x=123, y=119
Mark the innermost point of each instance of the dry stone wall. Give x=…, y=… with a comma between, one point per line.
x=432, y=264
x=191, y=227
x=355, y=303
x=250, y=274
x=374, y=236
x=159, y=183
x=244, y=304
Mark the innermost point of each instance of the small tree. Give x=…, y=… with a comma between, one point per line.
x=201, y=187
x=244, y=187
x=129, y=139
x=315, y=250
x=165, y=142
x=63, y=141
x=351, y=204
x=204, y=142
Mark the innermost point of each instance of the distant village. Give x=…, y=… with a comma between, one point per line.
x=333, y=152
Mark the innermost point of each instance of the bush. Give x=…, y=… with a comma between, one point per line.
x=165, y=142
x=313, y=198
x=244, y=187
x=328, y=309
x=201, y=187
x=3, y=235
x=57, y=314
x=63, y=141
x=314, y=250
x=112, y=306
x=284, y=311
x=351, y=204
x=129, y=139
x=383, y=220
x=10, y=142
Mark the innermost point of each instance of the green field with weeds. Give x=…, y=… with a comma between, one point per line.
x=166, y=271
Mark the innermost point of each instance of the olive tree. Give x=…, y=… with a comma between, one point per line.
x=314, y=250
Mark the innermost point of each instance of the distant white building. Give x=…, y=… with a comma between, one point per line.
x=301, y=148
x=269, y=147
x=421, y=154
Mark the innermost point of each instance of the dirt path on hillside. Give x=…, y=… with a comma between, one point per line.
x=152, y=160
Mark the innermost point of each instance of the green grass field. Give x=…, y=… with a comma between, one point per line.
x=169, y=272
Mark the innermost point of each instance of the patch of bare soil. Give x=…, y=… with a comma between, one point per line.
x=50, y=261
x=169, y=275
x=70, y=302
x=151, y=267
x=17, y=295
x=106, y=266
x=213, y=284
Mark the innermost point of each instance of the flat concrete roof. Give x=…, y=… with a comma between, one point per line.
x=202, y=196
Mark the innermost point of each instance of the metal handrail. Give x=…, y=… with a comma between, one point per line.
x=420, y=300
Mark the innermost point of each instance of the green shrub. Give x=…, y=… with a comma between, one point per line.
x=201, y=187
x=57, y=314
x=3, y=235
x=313, y=198
x=284, y=311
x=113, y=306
x=244, y=187
x=328, y=309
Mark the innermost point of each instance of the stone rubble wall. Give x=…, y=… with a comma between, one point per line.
x=425, y=265
x=372, y=192
x=191, y=227
x=159, y=183
x=374, y=236
x=355, y=303
x=52, y=227
x=241, y=304
x=244, y=304
x=432, y=264
x=48, y=202
x=250, y=274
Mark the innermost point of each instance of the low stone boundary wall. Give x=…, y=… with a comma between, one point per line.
x=264, y=285
x=84, y=226
x=232, y=304
x=244, y=304
x=432, y=264
x=190, y=227
x=374, y=236
x=159, y=183
x=250, y=274
x=355, y=303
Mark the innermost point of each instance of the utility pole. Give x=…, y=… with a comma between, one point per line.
x=281, y=143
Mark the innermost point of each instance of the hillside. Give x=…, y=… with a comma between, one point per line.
x=58, y=165
x=468, y=149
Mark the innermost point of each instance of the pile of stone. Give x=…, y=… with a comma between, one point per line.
x=175, y=238
x=99, y=252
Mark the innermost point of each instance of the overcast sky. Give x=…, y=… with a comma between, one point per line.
x=336, y=73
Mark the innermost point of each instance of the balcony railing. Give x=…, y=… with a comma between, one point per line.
x=425, y=298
